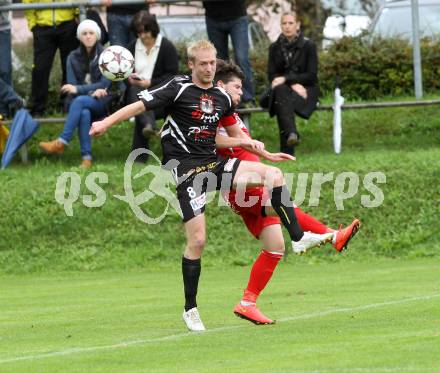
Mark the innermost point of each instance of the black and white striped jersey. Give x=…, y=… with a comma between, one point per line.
x=192, y=116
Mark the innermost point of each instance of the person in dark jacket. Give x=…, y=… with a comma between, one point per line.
x=87, y=88
x=156, y=60
x=292, y=72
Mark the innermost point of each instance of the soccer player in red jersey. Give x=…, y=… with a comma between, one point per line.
x=259, y=217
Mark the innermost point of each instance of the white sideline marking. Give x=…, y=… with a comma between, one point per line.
x=77, y=350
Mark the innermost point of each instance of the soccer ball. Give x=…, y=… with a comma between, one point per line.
x=116, y=63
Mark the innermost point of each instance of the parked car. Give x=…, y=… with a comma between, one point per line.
x=338, y=26
x=394, y=19
x=192, y=27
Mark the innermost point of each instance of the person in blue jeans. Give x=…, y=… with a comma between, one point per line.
x=87, y=93
x=10, y=101
x=229, y=18
x=119, y=20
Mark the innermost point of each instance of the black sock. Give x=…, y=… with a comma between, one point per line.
x=283, y=205
x=191, y=273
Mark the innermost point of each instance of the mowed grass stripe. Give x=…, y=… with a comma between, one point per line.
x=330, y=317
x=216, y=330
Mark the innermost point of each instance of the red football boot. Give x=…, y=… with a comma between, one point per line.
x=344, y=235
x=252, y=313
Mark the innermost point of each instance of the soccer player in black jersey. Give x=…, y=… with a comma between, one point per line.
x=194, y=106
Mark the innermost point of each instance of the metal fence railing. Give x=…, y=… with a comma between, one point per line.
x=82, y=5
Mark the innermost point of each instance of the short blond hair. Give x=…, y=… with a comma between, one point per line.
x=292, y=13
x=197, y=46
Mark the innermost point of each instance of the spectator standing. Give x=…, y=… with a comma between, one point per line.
x=229, y=18
x=119, y=20
x=9, y=100
x=89, y=88
x=52, y=29
x=94, y=16
x=156, y=60
x=292, y=71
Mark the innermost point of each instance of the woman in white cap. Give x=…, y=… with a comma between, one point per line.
x=86, y=89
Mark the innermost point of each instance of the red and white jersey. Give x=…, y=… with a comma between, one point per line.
x=236, y=152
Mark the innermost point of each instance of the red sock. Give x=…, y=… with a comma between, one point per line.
x=309, y=224
x=261, y=273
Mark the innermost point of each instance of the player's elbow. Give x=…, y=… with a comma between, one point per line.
x=140, y=107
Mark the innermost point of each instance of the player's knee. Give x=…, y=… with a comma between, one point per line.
x=82, y=99
x=197, y=243
x=276, y=176
x=277, y=246
x=281, y=249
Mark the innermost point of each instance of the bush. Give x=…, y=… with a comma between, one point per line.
x=380, y=68
x=363, y=70
x=258, y=59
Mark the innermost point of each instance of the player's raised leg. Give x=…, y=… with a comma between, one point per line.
x=191, y=268
x=272, y=240
x=341, y=237
x=309, y=223
x=255, y=174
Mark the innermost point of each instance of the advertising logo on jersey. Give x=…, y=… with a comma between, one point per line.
x=202, y=133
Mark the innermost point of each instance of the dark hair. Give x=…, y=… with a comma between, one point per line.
x=226, y=71
x=143, y=21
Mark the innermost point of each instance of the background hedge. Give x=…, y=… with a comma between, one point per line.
x=382, y=67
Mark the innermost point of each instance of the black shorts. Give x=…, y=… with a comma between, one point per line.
x=193, y=183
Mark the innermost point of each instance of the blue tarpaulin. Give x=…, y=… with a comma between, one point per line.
x=22, y=128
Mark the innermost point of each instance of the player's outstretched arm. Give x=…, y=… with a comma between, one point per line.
x=222, y=141
x=100, y=127
x=246, y=142
x=254, y=146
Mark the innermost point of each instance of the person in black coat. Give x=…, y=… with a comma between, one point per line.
x=156, y=60
x=292, y=71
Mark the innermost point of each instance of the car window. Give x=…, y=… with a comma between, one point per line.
x=183, y=30
x=194, y=28
x=397, y=21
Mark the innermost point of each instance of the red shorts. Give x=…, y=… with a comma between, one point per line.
x=251, y=215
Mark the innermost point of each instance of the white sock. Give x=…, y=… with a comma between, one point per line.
x=246, y=303
x=334, y=237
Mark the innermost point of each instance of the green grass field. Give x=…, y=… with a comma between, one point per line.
x=383, y=316
x=100, y=291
